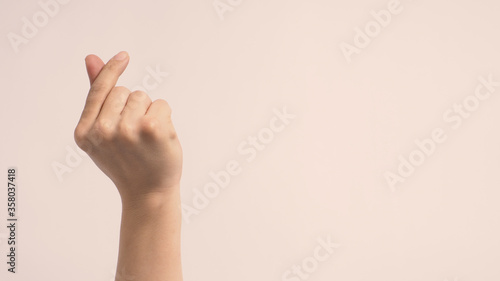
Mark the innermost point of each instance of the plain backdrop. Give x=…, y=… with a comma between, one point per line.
x=322, y=175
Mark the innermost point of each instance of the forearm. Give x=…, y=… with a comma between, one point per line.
x=150, y=238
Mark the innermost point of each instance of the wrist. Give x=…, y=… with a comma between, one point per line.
x=161, y=198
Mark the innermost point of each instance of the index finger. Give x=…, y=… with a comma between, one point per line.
x=102, y=85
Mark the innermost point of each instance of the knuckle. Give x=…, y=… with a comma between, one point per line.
x=124, y=96
x=172, y=134
x=104, y=130
x=120, y=99
x=162, y=102
x=80, y=135
x=139, y=95
x=86, y=139
x=137, y=98
x=126, y=131
x=150, y=126
x=122, y=89
x=124, y=93
x=165, y=105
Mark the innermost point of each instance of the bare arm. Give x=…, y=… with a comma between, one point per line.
x=133, y=141
x=150, y=240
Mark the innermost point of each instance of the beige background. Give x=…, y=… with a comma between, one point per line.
x=323, y=175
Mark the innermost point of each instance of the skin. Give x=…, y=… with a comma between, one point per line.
x=133, y=141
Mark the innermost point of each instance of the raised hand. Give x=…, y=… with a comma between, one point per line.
x=129, y=137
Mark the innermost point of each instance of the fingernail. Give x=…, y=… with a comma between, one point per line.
x=120, y=56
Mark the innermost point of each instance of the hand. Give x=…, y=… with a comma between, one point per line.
x=129, y=137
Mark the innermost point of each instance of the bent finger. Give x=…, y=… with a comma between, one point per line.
x=102, y=86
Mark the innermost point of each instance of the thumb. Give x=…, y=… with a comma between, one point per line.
x=94, y=65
